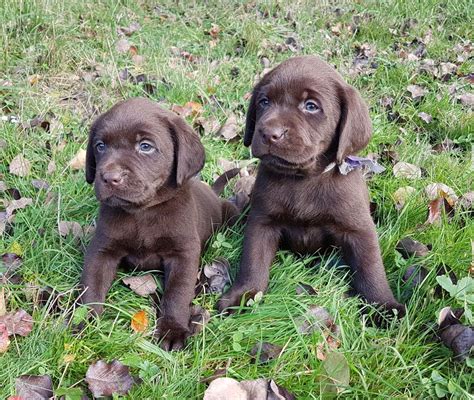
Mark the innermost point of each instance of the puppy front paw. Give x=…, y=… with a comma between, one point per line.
x=171, y=333
x=233, y=298
x=386, y=313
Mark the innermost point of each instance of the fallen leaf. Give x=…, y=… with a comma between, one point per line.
x=434, y=210
x=230, y=129
x=10, y=263
x=73, y=228
x=128, y=30
x=207, y=125
x=259, y=389
x=466, y=202
x=265, y=351
x=337, y=373
x=79, y=160
x=199, y=318
x=143, y=285
x=218, y=373
x=417, y=92
x=139, y=321
x=14, y=205
x=466, y=99
x=40, y=184
x=122, y=46
x=214, y=31
x=191, y=108
x=415, y=275
x=20, y=166
x=330, y=343
x=409, y=247
x=4, y=340
x=316, y=319
x=436, y=190
x=425, y=117
x=387, y=101
x=34, y=387
x=406, y=170
x=245, y=185
x=401, y=195
x=18, y=323
x=447, y=70
x=105, y=379
x=456, y=336
x=303, y=288
x=217, y=274
x=3, y=306
x=51, y=167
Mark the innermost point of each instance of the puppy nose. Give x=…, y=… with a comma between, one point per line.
x=114, y=178
x=274, y=135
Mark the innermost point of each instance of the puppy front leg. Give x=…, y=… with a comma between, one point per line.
x=361, y=250
x=260, y=245
x=180, y=279
x=100, y=269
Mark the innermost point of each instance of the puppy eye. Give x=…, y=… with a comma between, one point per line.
x=264, y=102
x=100, y=147
x=310, y=106
x=145, y=147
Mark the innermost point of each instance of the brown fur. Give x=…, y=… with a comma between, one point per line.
x=153, y=213
x=295, y=204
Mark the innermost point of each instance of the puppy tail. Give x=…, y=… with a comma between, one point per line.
x=221, y=182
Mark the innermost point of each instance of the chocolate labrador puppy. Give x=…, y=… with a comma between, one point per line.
x=152, y=214
x=302, y=119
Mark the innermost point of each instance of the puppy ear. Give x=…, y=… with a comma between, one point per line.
x=90, y=158
x=355, y=128
x=250, y=119
x=189, y=151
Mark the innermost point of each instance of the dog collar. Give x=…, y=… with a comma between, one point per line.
x=351, y=163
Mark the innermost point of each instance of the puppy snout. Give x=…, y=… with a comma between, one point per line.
x=113, y=178
x=272, y=135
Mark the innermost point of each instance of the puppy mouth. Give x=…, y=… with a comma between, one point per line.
x=276, y=162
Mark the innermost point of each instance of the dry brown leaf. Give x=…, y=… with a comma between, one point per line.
x=217, y=274
x=122, y=46
x=3, y=306
x=143, y=285
x=105, y=379
x=73, y=228
x=40, y=184
x=409, y=247
x=265, y=351
x=14, y=205
x=18, y=323
x=466, y=99
x=190, y=109
x=214, y=31
x=425, y=117
x=51, y=167
x=417, y=92
x=20, y=166
x=230, y=129
x=128, y=30
x=139, y=321
x=34, y=387
x=4, y=340
x=437, y=190
x=317, y=319
x=79, y=160
x=401, y=196
x=199, y=318
x=406, y=170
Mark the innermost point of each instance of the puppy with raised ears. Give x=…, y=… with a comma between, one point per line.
x=153, y=214
x=302, y=119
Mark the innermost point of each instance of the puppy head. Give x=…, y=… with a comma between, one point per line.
x=136, y=149
x=301, y=111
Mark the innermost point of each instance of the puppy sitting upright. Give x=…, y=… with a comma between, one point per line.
x=152, y=214
x=302, y=119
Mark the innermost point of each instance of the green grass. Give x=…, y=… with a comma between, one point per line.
x=60, y=41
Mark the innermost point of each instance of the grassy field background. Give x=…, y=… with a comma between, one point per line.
x=61, y=62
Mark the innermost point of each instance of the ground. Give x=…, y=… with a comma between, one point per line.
x=64, y=61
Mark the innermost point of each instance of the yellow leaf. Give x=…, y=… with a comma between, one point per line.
x=16, y=248
x=139, y=321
